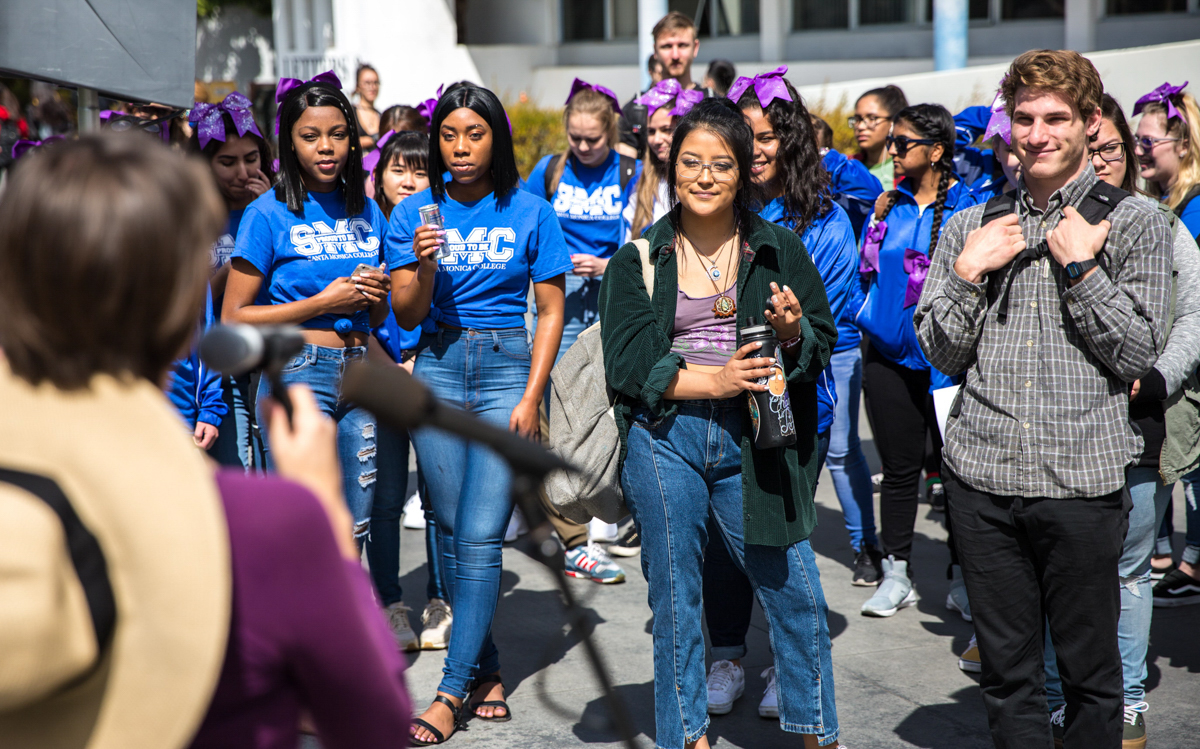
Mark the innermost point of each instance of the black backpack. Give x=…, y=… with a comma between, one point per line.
x=1095, y=207
x=627, y=165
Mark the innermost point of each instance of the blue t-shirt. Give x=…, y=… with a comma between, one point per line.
x=588, y=202
x=223, y=249
x=300, y=255
x=497, y=246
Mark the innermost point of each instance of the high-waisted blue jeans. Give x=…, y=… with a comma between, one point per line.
x=485, y=372
x=322, y=368
x=679, y=470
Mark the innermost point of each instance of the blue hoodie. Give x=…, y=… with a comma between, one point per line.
x=882, y=314
x=829, y=240
x=854, y=188
x=976, y=167
x=195, y=390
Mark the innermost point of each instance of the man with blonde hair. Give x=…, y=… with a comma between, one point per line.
x=675, y=46
x=1051, y=303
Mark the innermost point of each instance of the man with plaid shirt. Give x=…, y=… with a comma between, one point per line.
x=1050, y=318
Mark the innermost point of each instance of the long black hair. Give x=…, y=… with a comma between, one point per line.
x=723, y=119
x=410, y=147
x=290, y=188
x=484, y=103
x=1110, y=110
x=801, y=172
x=931, y=121
x=209, y=152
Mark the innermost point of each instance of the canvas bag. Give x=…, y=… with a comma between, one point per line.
x=583, y=431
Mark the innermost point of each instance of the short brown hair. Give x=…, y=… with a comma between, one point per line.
x=673, y=21
x=104, y=258
x=1062, y=71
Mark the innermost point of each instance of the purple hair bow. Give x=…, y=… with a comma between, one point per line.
x=285, y=86
x=916, y=265
x=425, y=108
x=22, y=147
x=869, y=259
x=582, y=85
x=371, y=160
x=685, y=101
x=663, y=92
x=767, y=86
x=999, y=123
x=210, y=124
x=1162, y=94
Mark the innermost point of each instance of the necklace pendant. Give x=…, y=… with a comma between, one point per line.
x=724, y=307
x=714, y=273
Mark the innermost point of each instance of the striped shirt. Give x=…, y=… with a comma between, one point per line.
x=1044, y=408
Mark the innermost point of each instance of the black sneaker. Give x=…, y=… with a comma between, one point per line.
x=935, y=492
x=628, y=545
x=1177, y=589
x=868, y=567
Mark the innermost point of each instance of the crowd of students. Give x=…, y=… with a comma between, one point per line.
x=1008, y=289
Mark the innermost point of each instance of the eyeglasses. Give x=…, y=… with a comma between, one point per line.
x=871, y=121
x=1109, y=153
x=1146, y=143
x=722, y=171
x=902, y=143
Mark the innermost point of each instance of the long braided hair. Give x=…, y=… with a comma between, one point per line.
x=802, y=174
x=931, y=121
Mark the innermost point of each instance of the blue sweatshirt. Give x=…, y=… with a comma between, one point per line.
x=854, y=188
x=829, y=240
x=195, y=390
x=976, y=167
x=883, y=314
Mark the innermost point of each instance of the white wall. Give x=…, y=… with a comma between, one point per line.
x=235, y=45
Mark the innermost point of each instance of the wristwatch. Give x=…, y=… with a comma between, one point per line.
x=1076, y=270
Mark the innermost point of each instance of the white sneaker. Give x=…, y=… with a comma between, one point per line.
x=956, y=599
x=402, y=631
x=437, y=619
x=414, y=514
x=726, y=682
x=602, y=532
x=769, y=707
x=516, y=526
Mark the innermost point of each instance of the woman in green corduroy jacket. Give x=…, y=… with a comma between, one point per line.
x=682, y=379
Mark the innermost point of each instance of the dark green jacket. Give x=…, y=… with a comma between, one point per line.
x=777, y=484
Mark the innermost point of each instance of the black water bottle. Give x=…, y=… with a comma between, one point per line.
x=770, y=410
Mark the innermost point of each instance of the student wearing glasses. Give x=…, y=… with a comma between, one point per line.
x=1168, y=150
x=871, y=123
x=897, y=378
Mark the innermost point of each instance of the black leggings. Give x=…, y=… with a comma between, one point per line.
x=902, y=413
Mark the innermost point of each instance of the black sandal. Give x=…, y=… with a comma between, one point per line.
x=486, y=682
x=440, y=739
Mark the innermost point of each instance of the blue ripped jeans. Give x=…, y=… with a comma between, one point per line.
x=322, y=368
x=485, y=372
x=679, y=471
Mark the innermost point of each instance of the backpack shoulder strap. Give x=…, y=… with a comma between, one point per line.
x=998, y=207
x=551, y=168
x=1188, y=197
x=627, y=165
x=1100, y=201
x=643, y=246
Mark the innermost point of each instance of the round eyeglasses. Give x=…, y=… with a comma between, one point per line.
x=722, y=171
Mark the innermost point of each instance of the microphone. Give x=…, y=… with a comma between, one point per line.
x=400, y=401
x=237, y=349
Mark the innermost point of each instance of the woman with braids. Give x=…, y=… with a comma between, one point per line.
x=897, y=378
x=665, y=104
x=787, y=166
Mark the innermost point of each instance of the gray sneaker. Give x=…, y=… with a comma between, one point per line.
x=956, y=599
x=894, y=593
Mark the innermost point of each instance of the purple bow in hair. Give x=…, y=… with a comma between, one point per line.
x=210, y=124
x=767, y=86
x=582, y=85
x=686, y=100
x=371, y=160
x=663, y=92
x=868, y=261
x=999, y=123
x=1162, y=94
x=916, y=265
x=425, y=108
x=22, y=147
x=285, y=86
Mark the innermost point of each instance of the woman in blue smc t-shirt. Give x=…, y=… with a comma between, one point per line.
x=475, y=355
x=294, y=263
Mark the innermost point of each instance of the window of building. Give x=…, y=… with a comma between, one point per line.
x=887, y=11
x=1014, y=10
x=1128, y=7
x=598, y=20
x=720, y=17
x=820, y=14
x=977, y=10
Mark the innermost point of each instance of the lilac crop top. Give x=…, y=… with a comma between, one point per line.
x=700, y=337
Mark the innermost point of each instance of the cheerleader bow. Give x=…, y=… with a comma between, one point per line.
x=582, y=85
x=999, y=123
x=767, y=86
x=371, y=160
x=1163, y=95
x=685, y=101
x=286, y=85
x=209, y=121
x=663, y=92
x=22, y=147
x=425, y=108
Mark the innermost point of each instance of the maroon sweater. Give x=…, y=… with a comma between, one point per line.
x=306, y=633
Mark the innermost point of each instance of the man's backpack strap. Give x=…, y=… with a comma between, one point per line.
x=551, y=168
x=627, y=166
x=643, y=246
x=1100, y=201
x=998, y=207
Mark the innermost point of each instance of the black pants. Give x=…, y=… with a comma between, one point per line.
x=1029, y=561
x=901, y=411
x=728, y=599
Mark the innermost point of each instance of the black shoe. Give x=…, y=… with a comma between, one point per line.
x=868, y=567
x=628, y=545
x=935, y=492
x=1177, y=589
